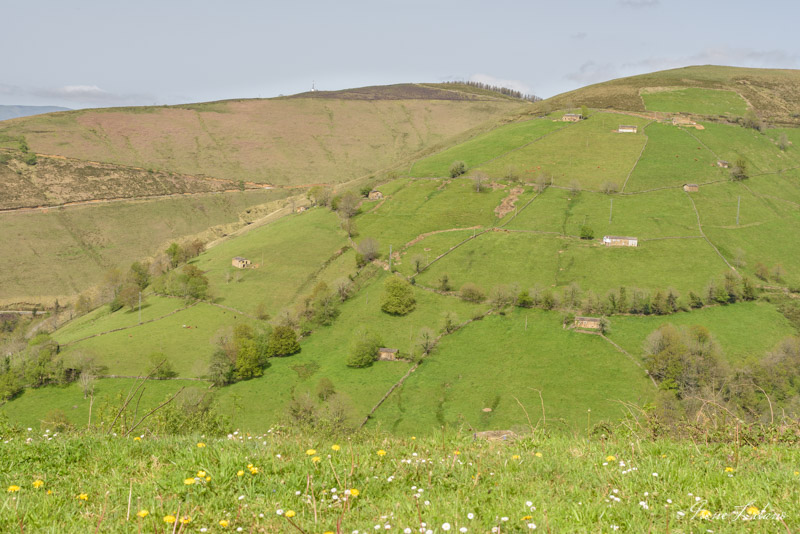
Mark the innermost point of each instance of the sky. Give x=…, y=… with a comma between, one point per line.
x=100, y=53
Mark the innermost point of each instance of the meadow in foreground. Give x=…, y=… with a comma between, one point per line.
x=286, y=481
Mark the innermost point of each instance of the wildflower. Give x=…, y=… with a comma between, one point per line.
x=199, y=446
x=142, y=513
x=456, y=452
x=239, y=473
x=254, y=470
x=354, y=492
x=169, y=519
x=13, y=489
x=796, y=473
x=729, y=469
x=335, y=447
x=289, y=513
x=504, y=519
x=381, y=452
x=201, y=474
x=462, y=529
x=279, y=511
x=752, y=510
x=413, y=437
x=208, y=479
x=83, y=497
x=311, y=452
x=185, y=520
x=526, y=518
x=704, y=514
x=538, y=454
x=532, y=526
x=137, y=438
x=611, y=458
x=49, y=492
x=315, y=459
x=223, y=523
x=470, y=516
x=515, y=457
x=445, y=526
x=188, y=481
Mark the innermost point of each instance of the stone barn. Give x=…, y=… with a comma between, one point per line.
x=627, y=128
x=620, y=241
x=589, y=323
x=572, y=117
x=375, y=195
x=722, y=163
x=691, y=188
x=385, y=354
x=683, y=121
x=240, y=263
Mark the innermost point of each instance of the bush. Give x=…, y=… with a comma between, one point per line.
x=283, y=342
x=398, y=297
x=586, y=232
x=472, y=293
x=363, y=350
x=325, y=388
x=609, y=188
x=457, y=169
x=160, y=366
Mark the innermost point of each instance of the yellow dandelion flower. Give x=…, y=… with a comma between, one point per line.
x=663, y=455
x=38, y=483
x=515, y=457
x=354, y=492
x=199, y=446
x=611, y=458
x=137, y=438
x=704, y=513
x=188, y=481
x=526, y=518
x=290, y=513
x=328, y=532
x=413, y=437
x=796, y=473
x=201, y=474
x=224, y=523
x=254, y=470
x=729, y=469
x=311, y=452
x=169, y=519
x=142, y=513
x=49, y=492
x=538, y=454
x=239, y=473
x=456, y=452
x=13, y=488
x=249, y=466
x=752, y=510
x=83, y=497
x=208, y=479
x=315, y=459
x=185, y=520
x=335, y=447
x=381, y=452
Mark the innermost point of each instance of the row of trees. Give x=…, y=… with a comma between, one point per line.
x=243, y=352
x=499, y=89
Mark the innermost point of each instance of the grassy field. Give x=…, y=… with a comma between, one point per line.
x=672, y=158
x=279, y=141
x=765, y=327
x=467, y=373
x=61, y=252
x=697, y=101
x=757, y=149
x=482, y=148
x=589, y=152
x=373, y=482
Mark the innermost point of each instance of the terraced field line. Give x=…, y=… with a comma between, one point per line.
x=700, y=227
x=517, y=212
x=702, y=143
x=567, y=125
x=630, y=357
x=635, y=163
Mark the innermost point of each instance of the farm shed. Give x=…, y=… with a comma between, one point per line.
x=691, y=188
x=627, y=128
x=387, y=354
x=722, y=163
x=620, y=241
x=683, y=121
x=240, y=263
x=590, y=323
x=375, y=195
x=571, y=117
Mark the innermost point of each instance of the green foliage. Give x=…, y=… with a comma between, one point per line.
x=457, y=169
x=160, y=366
x=696, y=101
x=398, y=297
x=325, y=388
x=363, y=349
x=683, y=359
x=472, y=293
x=140, y=274
x=587, y=233
x=283, y=342
x=739, y=170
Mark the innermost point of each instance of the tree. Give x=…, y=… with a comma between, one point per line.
x=348, y=205
x=83, y=304
x=739, y=170
x=575, y=188
x=30, y=159
x=426, y=340
x=319, y=195
x=129, y=295
x=502, y=297
x=457, y=169
x=398, y=297
x=175, y=254
x=605, y=326
x=418, y=262
x=524, y=299
x=444, y=282
x=778, y=272
x=363, y=349
x=542, y=181
x=139, y=274
x=609, y=188
x=365, y=190
x=783, y=141
x=221, y=369
x=160, y=366
x=695, y=301
x=325, y=388
x=369, y=249
x=450, y=322
x=748, y=291
x=752, y=120
x=587, y=233
x=283, y=342
x=472, y=293
x=584, y=111
x=86, y=380
x=762, y=272
x=478, y=178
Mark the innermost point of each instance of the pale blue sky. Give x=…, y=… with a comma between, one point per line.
x=86, y=53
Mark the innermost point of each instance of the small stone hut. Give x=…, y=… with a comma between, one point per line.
x=589, y=323
x=385, y=354
x=572, y=117
x=620, y=241
x=683, y=121
x=627, y=128
x=691, y=188
x=240, y=263
x=722, y=163
x=375, y=195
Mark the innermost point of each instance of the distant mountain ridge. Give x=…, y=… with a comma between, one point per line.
x=13, y=112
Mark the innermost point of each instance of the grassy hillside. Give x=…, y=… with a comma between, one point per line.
x=696, y=101
x=773, y=93
x=284, y=141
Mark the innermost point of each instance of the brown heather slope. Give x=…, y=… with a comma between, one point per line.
x=282, y=141
x=773, y=93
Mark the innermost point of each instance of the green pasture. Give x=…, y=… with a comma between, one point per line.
x=731, y=143
x=695, y=100
x=485, y=147
x=498, y=363
x=590, y=153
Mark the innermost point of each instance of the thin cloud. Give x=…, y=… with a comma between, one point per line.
x=517, y=85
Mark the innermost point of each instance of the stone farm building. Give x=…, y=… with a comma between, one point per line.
x=572, y=117
x=620, y=241
x=590, y=323
x=375, y=195
x=240, y=263
x=683, y=121
x=623, y=128
x=691, y=188
x=387, y=354
x=722, y=163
